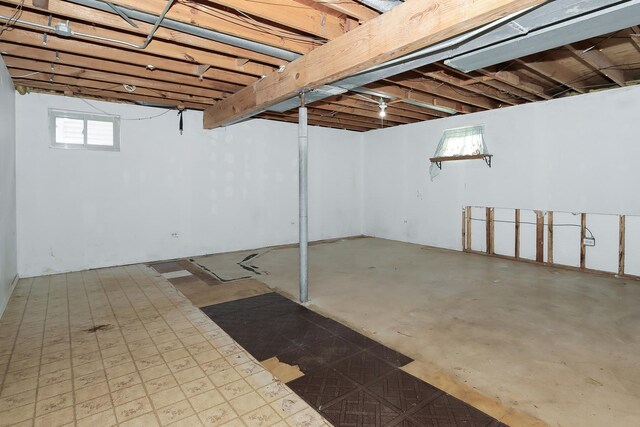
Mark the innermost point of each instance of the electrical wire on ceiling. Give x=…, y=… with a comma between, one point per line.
x=124, y=118
x=14, y=17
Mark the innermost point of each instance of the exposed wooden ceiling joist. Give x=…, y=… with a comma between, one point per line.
x=415, y=25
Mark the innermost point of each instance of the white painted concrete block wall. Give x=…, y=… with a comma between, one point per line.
x=222, y=190
x=577, y=154
x=8, y=249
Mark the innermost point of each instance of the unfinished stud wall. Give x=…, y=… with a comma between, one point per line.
x=577, y=154
x=8, y=250
x=166, y=196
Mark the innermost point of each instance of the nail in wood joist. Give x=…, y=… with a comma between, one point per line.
x=411, y=26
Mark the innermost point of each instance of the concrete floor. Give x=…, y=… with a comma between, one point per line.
x=559, y=345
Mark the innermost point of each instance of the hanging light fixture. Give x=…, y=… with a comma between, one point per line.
x=383, y=107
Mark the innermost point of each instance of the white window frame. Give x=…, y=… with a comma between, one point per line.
x=54, y=114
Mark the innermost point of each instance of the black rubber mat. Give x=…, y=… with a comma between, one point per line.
x=350, y=379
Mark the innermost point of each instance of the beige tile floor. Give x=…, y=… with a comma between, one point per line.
x=155, y=359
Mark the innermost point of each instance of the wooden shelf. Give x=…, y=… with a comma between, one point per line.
x=438, y=160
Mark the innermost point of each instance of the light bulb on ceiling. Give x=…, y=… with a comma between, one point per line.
x=383, y=107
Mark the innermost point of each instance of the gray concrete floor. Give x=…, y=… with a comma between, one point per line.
x=560, y=345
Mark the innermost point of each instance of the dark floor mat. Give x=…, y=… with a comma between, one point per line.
x=349, y=378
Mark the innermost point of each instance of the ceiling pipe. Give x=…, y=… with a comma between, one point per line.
x=381, y=6
x=194, y=30
x=63, y=29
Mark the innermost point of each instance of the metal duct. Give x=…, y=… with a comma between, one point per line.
x=593, y=23
x=194, y=30
x=572, y=15
x=381, y=6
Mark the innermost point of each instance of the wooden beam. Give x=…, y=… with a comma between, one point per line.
x=350, y=8
x=291, y=13
x=48, y=69
x=514, y=80
x=31, y=38
x=228, y=22
x=517, y=234
x=598, y=61
x=476, y=88
x=103, y=95
x=64, y=58
x=583, y=251
x=404, y=29
x=489, y=230
x=96, y=86
x=553, y=71
x=621, y=246
x=550, y=237
x=634, y=36
x=409, y=94
x=464, y=230
x=103, y=22
x=468, y=228
x=539, y=236
x=156, y=47
x=417, y=82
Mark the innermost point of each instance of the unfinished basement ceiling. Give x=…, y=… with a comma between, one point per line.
x=205, y=51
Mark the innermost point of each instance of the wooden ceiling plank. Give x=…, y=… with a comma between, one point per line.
x=290, y=13
x=341, y=110
x=419, y=82
x=103, y=85
x=337, y=106
x=424, y=98
x=489, y=92
x=31, y=38
x=351, y=8
x=156, y=47
x=598, y=61
x=225, y=22
x=65, y=58
x=222, y=21
x=634, y=36
x=555, y=72
x=312, y=121
x=48, y=69
x=105, y=95
x=114, y=21
x=414, y=25
x=512, y=79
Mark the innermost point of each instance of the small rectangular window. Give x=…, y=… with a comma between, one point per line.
x=463, y=143
x=70, y=129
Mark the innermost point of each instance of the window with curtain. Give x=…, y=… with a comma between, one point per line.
x=459, y=144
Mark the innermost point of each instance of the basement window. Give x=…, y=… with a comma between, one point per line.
x=75, y=130
x=463, y=143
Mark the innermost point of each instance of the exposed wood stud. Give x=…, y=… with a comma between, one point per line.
x=550, y=237
x=468, y=228
x=539, y=236
x=517, y=234
x=464, y=230
x=583, y=230
x=621, y=246
x=489, y=230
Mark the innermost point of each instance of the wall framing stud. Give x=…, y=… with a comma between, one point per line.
x=583, y=252
x=517, y=231
x=550, y=237
x=539, y=236
x=621, y=246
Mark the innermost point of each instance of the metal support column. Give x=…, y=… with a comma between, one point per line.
x=302, y=180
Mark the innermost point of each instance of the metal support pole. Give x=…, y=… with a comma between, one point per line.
x=302, y=180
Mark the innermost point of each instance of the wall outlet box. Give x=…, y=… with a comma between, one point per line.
x=589, y=241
